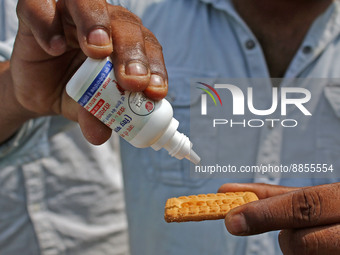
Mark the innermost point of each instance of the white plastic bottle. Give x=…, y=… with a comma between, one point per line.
x=137, y=119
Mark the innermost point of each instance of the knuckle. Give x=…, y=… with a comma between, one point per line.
x=133, y=51
x=119, y=13
x=151, y=38
x=267, y=213
x=306, y=244
x=307, y=207
x=296, y=242
x=85, y=14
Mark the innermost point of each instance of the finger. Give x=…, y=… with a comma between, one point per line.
x=262, y=190
x=41, y=20
x=307, y=207
x=129, y=58
x=158, y=86
x=93, y=130
x=87, y=24
x=319, y=240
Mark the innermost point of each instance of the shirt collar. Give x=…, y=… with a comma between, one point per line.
x=226, y=6
x=322, y=32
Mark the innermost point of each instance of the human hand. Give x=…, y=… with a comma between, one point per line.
x=308, y=217
x=54, y=39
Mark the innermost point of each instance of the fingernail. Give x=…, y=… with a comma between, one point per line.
x=98, y=37
x=237, y=224
x=58, y=43
x=136, y=68
x=156, y=80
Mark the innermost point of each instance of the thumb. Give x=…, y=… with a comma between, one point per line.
x=93, y=129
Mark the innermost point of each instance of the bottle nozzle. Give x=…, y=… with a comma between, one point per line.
x=193, y=157
x=177, y=144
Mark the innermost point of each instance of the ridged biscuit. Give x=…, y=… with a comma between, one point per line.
x=205, y=206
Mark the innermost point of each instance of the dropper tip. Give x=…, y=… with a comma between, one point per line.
x=193, y=157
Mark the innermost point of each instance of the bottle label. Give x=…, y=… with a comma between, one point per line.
x=140, y=105
x=124, y=112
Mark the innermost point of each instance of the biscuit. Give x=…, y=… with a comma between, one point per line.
x=205, y=206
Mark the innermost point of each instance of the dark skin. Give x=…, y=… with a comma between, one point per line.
x=54, y=39
x=309, y=218
x=282, y=29
x=51, y=43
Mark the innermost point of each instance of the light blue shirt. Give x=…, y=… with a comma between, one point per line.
x=204, y=38
x=58, y=194
x=208, y=39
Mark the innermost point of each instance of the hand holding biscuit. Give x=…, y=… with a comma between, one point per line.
x=308, y=217
x=205, y=206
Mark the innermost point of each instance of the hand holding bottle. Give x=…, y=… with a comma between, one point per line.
x=52, y=42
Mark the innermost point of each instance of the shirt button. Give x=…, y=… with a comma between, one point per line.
x=307, y=49
x=250, y=44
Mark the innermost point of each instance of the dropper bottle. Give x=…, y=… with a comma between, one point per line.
x=140, y=121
